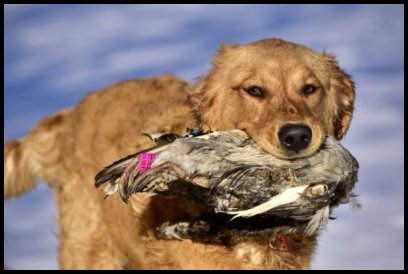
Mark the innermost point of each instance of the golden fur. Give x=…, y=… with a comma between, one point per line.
x=70, y=147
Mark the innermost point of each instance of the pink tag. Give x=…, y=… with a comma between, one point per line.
x=145, y=161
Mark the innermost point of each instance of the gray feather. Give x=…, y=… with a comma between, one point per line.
x=240, y=178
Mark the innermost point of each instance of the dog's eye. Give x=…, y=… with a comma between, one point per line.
x=309, y=89
x=255, y=91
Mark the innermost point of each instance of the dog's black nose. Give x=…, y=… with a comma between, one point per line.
x=295, y=137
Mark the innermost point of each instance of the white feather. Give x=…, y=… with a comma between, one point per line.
x=318, y=220
x=112, y=188
x=354, y=203
x=288, y=196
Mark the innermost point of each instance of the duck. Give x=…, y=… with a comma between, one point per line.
x=237, y=181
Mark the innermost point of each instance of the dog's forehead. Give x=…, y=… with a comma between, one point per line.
x=291, y=59
x=284, y=56
x=270, y=52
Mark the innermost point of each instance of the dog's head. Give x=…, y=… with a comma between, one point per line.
x=286, y=96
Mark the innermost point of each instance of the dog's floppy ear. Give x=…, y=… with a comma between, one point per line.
x=202, y=85
x=341, y=98
x=196, y=97
x=203, y=93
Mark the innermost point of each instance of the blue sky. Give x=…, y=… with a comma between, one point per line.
x=56, y=54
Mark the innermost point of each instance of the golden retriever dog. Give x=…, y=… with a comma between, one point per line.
x=287, y=97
